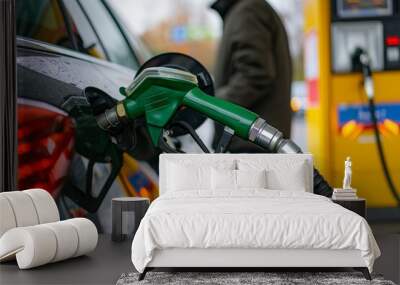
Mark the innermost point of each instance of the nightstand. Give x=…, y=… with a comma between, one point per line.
x=356, y=205
x=127, y=212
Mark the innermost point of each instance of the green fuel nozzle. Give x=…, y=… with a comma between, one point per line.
x=159, y=92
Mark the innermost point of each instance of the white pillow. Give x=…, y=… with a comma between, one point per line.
x=295, y=180
x=289, y=175
x=251, y=178
x=187, y=175
x=183, y=177
x=236, y=179
x=223, y=179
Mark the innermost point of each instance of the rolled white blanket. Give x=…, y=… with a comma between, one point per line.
x=40, y=244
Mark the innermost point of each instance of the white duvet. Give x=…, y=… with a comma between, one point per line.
x=253, y=218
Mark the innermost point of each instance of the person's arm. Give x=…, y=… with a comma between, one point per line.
x=253, y=66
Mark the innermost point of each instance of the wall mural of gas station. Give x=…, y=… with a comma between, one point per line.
x=84, y=171
x=228, y=134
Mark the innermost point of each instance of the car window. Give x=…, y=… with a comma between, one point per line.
x=86, y=38
x=115, y=44
x=42, y=20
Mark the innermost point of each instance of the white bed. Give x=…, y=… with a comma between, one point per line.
x=247, y=226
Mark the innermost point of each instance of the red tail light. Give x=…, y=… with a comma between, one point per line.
x=45, y=146
x=393, y=40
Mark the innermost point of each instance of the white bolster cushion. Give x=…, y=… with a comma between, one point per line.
x=26, y=208
x=66, y=238
x=45, y=205
x=23, y=208
x=40, y=244
x=32, y=246
x=7, y=218
x=87, y=235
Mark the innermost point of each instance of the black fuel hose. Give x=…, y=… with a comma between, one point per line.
x=321, y=186
x=362, y=61
x=385, y=168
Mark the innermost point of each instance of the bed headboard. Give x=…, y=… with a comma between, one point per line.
x=210, y=159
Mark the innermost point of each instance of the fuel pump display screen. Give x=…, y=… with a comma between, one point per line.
x=364, y=8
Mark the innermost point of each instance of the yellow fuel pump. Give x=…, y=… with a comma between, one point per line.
x=339, y=118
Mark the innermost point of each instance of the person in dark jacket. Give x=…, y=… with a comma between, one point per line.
x=253, y=67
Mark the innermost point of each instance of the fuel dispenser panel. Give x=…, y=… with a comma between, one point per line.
x=339, y=121
x=347, y=37
x=368, y=24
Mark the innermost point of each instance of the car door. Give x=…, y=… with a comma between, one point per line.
x=59, y=55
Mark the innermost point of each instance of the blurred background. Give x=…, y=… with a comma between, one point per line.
x=191, y=27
